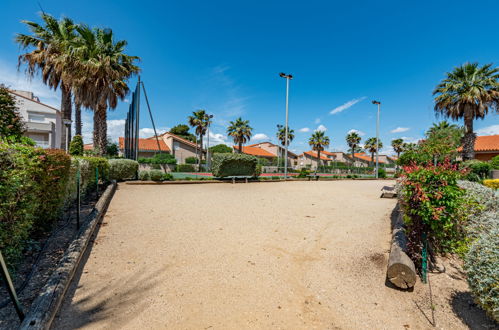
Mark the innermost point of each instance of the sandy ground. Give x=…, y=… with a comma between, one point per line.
x=294, y=255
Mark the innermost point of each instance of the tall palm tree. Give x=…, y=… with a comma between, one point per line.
x=200, y=121
x=444, y=124
x=318, y=141
x=101, y=76
x=48, y=45
x=281, y=134
x=240, y=130
x=78, y=124
x=398, y=146
x=353, y=140
x=370, y=146
x=468, y=92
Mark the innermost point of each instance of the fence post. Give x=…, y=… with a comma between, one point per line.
x=10, y=288
x=78, y=198
x=97, y=180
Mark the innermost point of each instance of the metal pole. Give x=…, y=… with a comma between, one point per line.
x=78, y=199
x=377, y=142
x=137, y=122
x=286, y=152
x=10, y=288
x=208, y=161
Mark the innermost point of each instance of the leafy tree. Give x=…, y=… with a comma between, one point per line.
x=200, y=121
x=353, y=140
x=112, y=148
x=11, y=123
x=398, y=146
x=182, y=131
x=468, y=92
x=240, y=131
x=370, y=146
x=220, y=149
x=318, y=141
x=281, y=134
x=76, y=146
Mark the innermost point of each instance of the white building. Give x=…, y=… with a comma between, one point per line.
x=43, y=122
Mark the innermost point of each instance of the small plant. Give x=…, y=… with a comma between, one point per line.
x=191, y=160
x=185, y=168
x=303, y=173
x=478, y=170
x=122, y=169
x=167, y=177
x=491, y=183
x=76, y=146
x=381, y=173
x=495, y=162
x=156, y=175
x=144, y=176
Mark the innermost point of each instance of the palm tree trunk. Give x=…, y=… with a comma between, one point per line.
x=66, y=113
x=318, y=161
x=100, y=129
x=469, y=136
x=78, y=124
x=372, y=158
x=240, y=147
x=200, y=151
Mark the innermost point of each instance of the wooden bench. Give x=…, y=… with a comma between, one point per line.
x=315, y=176
x=234, y=178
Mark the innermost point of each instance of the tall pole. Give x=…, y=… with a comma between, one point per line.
x=377, y=138
x=137, y=127
x=286, y=151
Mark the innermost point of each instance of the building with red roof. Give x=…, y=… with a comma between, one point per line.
x=486, y=147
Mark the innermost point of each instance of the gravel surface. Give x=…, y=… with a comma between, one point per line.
x=290, y=255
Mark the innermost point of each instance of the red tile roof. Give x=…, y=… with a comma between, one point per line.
x=147, y=144
x=486, y=143
x=88, y=146
x=256, y=151
x=313, y=154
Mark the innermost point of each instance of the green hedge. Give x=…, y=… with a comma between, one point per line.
x=161, y=158
x=233, y=164
x=184, y=168
x=122, y=169
x=478, y=170
x=155, y=175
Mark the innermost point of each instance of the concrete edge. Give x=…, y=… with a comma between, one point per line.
x=250, y=181
x=47, y=304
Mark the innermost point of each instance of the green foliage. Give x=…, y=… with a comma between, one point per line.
x=11, y=124
x=220, y=149
x=224, y=165
x=303, y=173
x=182, y=131
x=159, y=158
x=258, y=170
x=167, y=177
x=281, y=134
x=112, y=149
x=144, y=176
x=495, y=162
x=191, y=160
x=76, y=146
x=184, y=168
x=434, y=205
x=478, y=170
x=240, y=131
x=381, y=173
x=482, y=271
x=122, y=169
x=156, y=175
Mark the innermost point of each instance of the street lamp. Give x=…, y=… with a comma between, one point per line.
x=288, y=78
x=377, y=138
x=208, y=160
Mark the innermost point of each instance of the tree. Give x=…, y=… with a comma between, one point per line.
x=444, y=124
x=370, y=146
x=220, y=149
x=318, y=141
x=200, y=121
x=49, y=43
x=468, y=92
x=240, y=131
x=11, y=123
x=112, y=149
x=353, y=140
x=76, y=146
x=182, y=131
x=281, y=134
x=398, y=146
x=100, y=76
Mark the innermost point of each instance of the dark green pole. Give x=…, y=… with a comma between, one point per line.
x=78, y=199
x=10, y=288
x=97, y=180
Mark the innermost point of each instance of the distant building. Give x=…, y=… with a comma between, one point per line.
x=147, y=147
x=269, y=150
x=486, y=147
x=310, y=159
x=43, y=122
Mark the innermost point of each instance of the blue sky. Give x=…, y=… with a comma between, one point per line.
x=225, y=56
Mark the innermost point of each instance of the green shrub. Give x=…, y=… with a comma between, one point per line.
x=184, y=168
x=303, y=173
x=167, y=177
x=258, y=170
x=224, y=165
x=144, y=176
x=478, y=170
x=381, y=173
x=156, y=175
x=482, y=271
x=11, y=123
x=485, y=197
x=494, y=162
x=160, y=158
x=122, y=169
x=191, y=160
x=76, y=146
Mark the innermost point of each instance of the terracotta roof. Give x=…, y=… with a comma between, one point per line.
x=290, y=153
x=256, y=151
x=88, y=146
x=485, y=143
x=147, y=144
x=314, y=155
x=366, y=157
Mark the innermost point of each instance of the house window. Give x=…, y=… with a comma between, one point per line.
x=36, y=118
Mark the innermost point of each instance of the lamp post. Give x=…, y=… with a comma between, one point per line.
x=208, y=159
x=377, y=138
x=67, y=124
x=288, y=78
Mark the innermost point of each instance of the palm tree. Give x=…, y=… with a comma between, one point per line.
x=353, y=140
x=444, y=124
x=318, y=141
x=240, y=130
x=78, y=124
x=370, y=145
x=468, y=92
x=281, y=134
x=398, y=146
x=199, y=120
x=49, y=43
x=102, y=70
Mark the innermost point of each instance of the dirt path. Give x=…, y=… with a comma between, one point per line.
x=295, y=255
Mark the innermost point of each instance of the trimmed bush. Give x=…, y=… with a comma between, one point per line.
x=495, y=162
x=184, y=168
x=191, y=160
x=303, y=173
x=144, y=176
x=478, y=170
x=160, y=158
x=167, y=177
x=76, y=146
x=156, y=175
x=122, y=169
x=381, y=173
x=224, y=165
x=482, y=271
x=491, y=183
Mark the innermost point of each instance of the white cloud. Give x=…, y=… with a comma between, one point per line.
x=217, y=138
x=259, y=137
x=408, y=139
x=346, y=105
x=115, y=129
x=321, y=128
x=317, y=120
x=304, y=130
x=149, y=131
x=356, y=131
x=400, y=130
x=489, y=130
